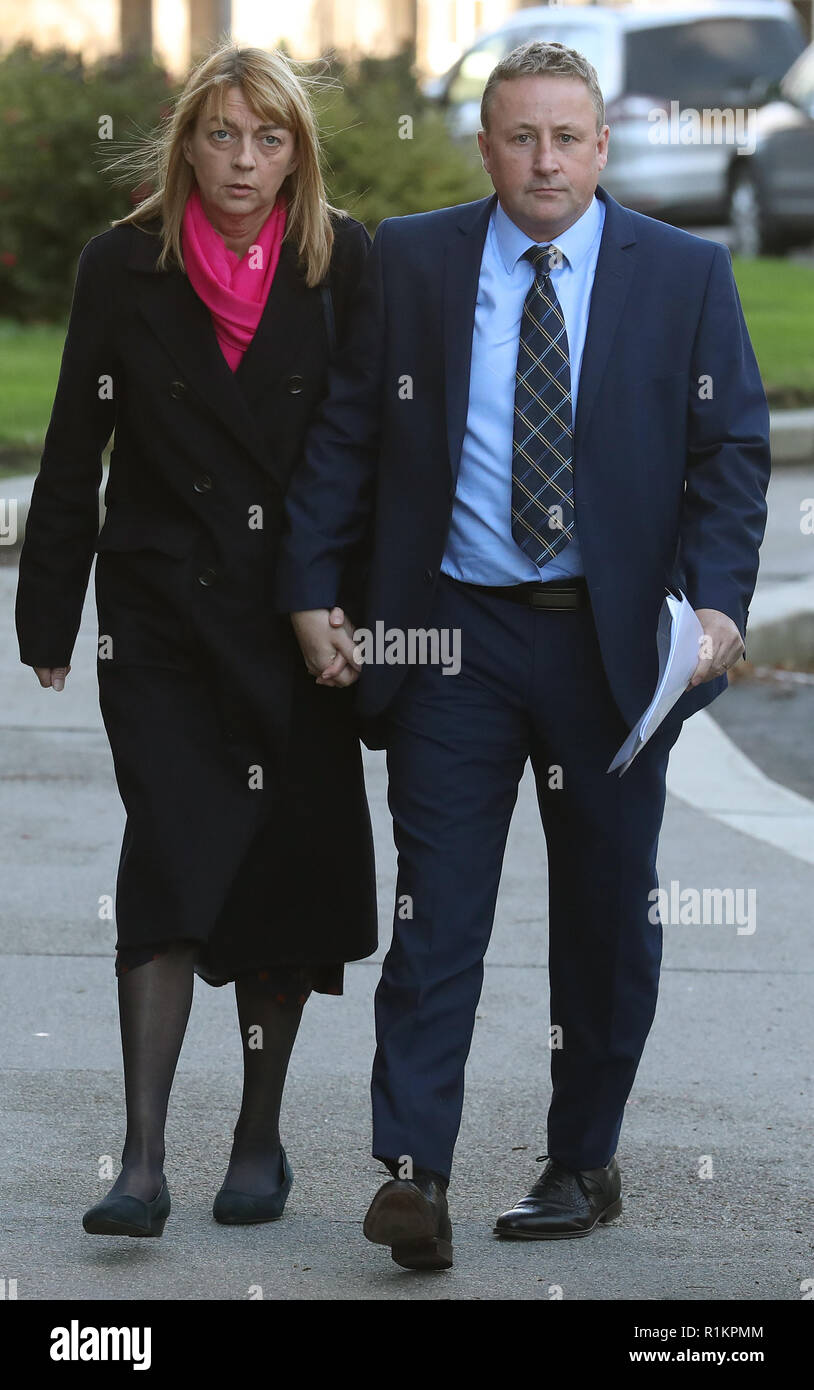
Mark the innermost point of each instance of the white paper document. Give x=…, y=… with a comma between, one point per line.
x=678, y=639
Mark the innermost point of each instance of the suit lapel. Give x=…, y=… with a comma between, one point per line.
x=464, y=251
x=614, y=271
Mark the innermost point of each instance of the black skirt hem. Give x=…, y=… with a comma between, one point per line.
x=289, y=980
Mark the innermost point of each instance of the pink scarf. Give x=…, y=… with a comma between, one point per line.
x=234, y=289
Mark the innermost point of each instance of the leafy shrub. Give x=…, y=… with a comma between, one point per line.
x=53, y=197
x=387, y=148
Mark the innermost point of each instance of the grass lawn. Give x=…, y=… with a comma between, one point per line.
x=777, y=297
x=778, y=304
x=29, y=367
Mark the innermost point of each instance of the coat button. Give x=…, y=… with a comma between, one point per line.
x=202, y=484
x=207, y=577
x=429, y=575
x=294, y=385
x=177, y=390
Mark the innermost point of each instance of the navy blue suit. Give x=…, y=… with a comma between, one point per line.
x=671, y=466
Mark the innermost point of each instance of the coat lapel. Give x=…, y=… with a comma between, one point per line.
x=184, y=325
x=461, y=275
x=614, y=271
x=289, y=303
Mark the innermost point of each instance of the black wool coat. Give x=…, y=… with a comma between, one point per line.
x=247, y=823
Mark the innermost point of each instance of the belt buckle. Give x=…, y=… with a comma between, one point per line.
x=568, y=599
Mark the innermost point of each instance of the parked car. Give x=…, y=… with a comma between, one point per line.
x=771, y=191
x=652, y=65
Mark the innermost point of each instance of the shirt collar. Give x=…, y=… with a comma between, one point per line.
x=574, y=243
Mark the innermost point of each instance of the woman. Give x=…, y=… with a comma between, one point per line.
x=201, y=331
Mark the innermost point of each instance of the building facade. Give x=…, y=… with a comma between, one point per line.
x=177, y=30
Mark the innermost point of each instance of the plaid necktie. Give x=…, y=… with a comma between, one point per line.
x=542, y=472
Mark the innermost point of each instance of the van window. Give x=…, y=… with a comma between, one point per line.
x=709, y=61
x=475, y=66
x=592, y=42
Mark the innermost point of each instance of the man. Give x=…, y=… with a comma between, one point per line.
x=549, y=413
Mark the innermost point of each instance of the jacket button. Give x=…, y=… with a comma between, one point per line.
x=202, y=484
x=207, y=577
x=429, y=575
x=294, y=385
x=177, y=390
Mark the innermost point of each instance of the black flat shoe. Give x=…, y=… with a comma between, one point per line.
x=129, y=1216
x=563, y=1204
x=232, y=1208
x=411, y=1216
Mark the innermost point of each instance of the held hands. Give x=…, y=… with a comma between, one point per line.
x=53, y=676
x=719, y=648
x=326, y=640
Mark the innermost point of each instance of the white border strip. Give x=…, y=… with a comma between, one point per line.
x=710, y=772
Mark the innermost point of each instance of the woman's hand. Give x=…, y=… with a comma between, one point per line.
x=326, y=641
x=51, y=675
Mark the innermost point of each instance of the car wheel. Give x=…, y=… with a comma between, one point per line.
x=747, y=217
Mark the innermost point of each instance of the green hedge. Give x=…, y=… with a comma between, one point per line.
x=387, y=149
x=54, y=197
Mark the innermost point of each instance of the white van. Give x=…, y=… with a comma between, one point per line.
x=656, y=68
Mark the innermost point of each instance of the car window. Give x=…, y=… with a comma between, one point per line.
x=470, y=79
x=798, y=86
x=708, y=60
x=592, y=43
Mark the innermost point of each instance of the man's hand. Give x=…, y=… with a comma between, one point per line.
x=53, y=676
x=326, y=640
x=719, y=648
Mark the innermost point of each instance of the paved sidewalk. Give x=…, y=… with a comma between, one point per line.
x=726, y=1075
x=727, y=1072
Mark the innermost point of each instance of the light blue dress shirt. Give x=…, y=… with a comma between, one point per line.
x=480, y=547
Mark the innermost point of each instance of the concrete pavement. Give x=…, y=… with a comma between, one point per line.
x=725, y=1085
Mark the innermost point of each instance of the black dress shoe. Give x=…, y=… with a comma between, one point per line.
x=129, y=1216
x=411, y=1216
x=232, y=1208
x=564, y=1203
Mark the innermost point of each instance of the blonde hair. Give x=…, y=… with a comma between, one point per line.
x=275, y=93
x=536, y=58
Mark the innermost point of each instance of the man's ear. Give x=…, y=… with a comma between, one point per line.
x=483, y=146
x=602, y=152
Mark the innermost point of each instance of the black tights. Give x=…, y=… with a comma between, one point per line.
x=154, y=1004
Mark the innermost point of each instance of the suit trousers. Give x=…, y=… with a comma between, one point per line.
x=531, y=685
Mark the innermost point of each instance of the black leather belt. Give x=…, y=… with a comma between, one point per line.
x=562, y=595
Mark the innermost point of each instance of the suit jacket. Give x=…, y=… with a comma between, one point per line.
x=671, y=451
